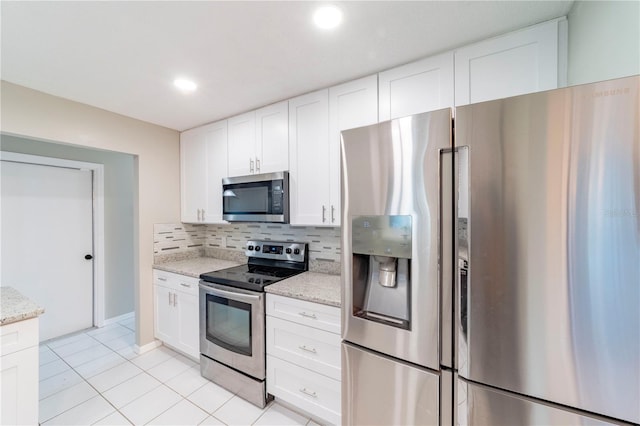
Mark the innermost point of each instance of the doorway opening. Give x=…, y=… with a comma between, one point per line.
x=53, y=238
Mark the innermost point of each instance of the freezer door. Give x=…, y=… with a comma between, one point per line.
x=378, y=390
x=549, y=278
x=481, y=406
x=394, y=171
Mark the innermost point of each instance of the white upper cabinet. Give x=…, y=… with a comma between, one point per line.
x=259, y=141
x=216, y=137
x=272, y=138
x=242, y=143
x=203, y=164
x=309, y=159
x=352, y=104
x=525, y=61
x=193, y=174
x=421, y=86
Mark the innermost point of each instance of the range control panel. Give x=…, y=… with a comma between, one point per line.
x=278, y=250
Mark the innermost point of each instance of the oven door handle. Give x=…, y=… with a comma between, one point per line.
x=241, y=297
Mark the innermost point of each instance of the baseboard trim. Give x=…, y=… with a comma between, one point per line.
x=146, y=348
x=119, y=318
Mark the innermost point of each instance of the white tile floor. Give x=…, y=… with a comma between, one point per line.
x=95, y=377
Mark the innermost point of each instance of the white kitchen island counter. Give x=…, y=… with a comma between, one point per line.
x=310, y=286
x=18, y=357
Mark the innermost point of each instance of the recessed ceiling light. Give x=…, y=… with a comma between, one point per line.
x=327, y=17
x=184, y=84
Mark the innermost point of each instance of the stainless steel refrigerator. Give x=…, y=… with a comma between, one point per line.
x=531, y=228
x=396, y=359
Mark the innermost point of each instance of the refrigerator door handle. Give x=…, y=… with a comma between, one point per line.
x=463, y=247
x=447, y=241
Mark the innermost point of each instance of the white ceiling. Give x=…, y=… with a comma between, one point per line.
x=123, y=56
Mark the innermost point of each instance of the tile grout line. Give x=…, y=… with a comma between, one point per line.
x=182, y=398
x=83, y=378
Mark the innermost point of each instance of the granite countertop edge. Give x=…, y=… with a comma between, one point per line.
x=16, y=307
x=195, y=266
x=310, y=286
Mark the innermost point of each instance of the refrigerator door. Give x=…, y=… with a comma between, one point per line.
x=550, y=272
x=392, y=170
x=480, y=406
x=377, y=390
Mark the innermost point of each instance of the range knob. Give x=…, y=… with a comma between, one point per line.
x=296, y=251
x=249, y=247
x=288, y=251
x=257, y=248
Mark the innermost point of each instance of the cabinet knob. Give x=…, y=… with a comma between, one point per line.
x=88, y=256
x=257, y=165
x=324, y=214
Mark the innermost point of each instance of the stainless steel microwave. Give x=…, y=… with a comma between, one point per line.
x=256, y=198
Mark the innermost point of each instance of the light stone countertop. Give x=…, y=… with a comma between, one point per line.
x=195, y=266
x=15, y=307
x=310, y=286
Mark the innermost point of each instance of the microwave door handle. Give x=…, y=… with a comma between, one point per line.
x=240, y=297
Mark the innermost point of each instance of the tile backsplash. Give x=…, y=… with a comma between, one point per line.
x=182, y=240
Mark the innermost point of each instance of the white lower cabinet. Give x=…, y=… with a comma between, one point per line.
x=176, y=311
x=303, y=355
x=19, y=373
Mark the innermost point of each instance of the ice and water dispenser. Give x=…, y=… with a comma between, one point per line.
x=381, y=247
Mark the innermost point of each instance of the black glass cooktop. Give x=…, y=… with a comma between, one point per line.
x=249, y=277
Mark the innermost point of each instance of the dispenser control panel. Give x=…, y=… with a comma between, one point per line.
x=382, y=235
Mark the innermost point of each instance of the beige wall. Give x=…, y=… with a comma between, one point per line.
x=35, y=114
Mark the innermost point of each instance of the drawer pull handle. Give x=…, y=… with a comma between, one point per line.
x=306, y=392
x=306, y=315
x=185, y=285
x=312, y=350
x=162, y=279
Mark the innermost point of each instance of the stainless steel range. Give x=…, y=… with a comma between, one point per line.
x=232, y=316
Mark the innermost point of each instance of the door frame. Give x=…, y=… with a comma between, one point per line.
x=98, y=218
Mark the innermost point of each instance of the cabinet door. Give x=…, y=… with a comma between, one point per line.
x=309, y=158
x=193, y=174
x=188, y=324
x=272, y=138
x=217, y=168
x=421, y=86
x=19, y=378
x=241, y=144
x=521, y=62
x=353, y=104
x=165, y=317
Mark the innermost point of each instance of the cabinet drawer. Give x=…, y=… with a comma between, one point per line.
x=176, y=282
x=18, y=336
x=302, y=312
x=317, y=394
x=307, y=347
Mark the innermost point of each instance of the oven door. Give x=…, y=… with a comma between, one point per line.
x=232, y=328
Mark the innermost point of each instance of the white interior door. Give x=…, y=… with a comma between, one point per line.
x=47, y=229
